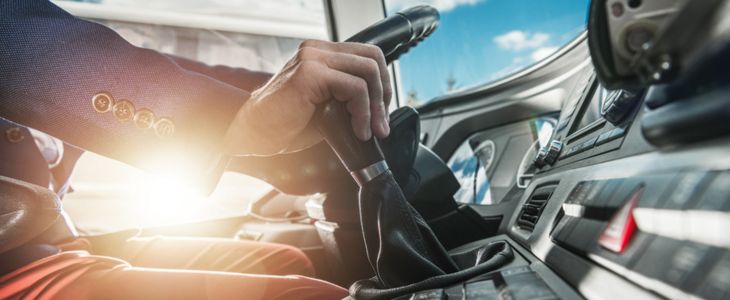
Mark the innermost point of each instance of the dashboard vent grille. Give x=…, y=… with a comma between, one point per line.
x=532, y=209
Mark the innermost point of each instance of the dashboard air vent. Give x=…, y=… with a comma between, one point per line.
x=532, y=209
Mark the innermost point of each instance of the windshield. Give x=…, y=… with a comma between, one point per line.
x=479, y=41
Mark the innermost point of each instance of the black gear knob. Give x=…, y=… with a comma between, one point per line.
x=400, y=246
x=363, y=159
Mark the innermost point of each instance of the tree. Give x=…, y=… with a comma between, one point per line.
x=412, y=98
x=450, y=82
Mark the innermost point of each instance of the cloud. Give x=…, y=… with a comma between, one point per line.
x=441, y=5
x=542, y=52
x=518, y=62
x=517, y=40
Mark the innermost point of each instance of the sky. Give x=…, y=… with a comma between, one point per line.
x=479, y=41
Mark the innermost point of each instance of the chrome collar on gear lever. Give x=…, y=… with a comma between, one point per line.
x=369, y=173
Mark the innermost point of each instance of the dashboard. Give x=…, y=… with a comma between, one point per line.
x=604, y=208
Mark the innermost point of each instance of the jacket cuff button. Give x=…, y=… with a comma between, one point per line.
x=123, y=111
x=102, y=102
x=144, y=119
x=164, y=128
x=14, y=135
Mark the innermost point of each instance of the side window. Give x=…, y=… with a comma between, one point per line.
x=491, y=163
x=257, y=35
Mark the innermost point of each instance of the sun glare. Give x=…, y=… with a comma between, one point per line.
x=109, y=195
x=169, y=200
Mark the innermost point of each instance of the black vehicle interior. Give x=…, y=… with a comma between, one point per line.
x=635, y=146
x=623, y=199
x=629, y=196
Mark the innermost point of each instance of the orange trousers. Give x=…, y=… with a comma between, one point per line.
x=169, y=268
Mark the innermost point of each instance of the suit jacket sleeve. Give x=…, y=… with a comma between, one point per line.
x=244, y=79
x=54, y=67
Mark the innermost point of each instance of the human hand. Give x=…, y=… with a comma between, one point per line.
x=276, y=118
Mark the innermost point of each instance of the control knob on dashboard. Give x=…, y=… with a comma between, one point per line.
x=618, y=105
x=539, y=161
x=553, y=151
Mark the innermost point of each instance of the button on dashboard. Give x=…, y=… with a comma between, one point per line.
x=570, y=151
x=603, y=138
x=481, y=290
x=623, y=192
x=578, y=194
x=589, y=143
x=716, y=284
x=654, y=262
x=687, y=263
x=610, y=135
x=553, y=152
x=600, y=193
x=656, y=189
x=717, y=195
x=564, y=228
x=539, y=161
x=585, y=234
x=617, y=132
x=686, y=188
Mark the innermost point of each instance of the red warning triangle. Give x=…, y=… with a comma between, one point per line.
x=621, y=227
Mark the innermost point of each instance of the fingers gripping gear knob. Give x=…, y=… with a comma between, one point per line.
x=333, y=122
x=393, y=35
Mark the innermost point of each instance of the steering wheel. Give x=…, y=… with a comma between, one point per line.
x=398, y=33
x=394, y=35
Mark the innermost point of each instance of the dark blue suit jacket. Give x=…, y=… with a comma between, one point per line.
x=53, y=64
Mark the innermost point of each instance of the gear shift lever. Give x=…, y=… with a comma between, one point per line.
x=403, y=251
x=364, y=160
x=400, y=246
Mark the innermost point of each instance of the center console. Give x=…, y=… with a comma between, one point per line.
x=615, y=215
x=525, y=277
